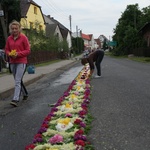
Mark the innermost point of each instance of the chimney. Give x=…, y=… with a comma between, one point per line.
x=48, y=16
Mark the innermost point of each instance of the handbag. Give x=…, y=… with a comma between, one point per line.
x=31, y=69
x=7, y=65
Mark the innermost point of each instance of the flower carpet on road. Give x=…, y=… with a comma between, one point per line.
x=67, y=124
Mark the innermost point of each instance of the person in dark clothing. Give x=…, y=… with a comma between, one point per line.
x=94, y=57
x=2, y=59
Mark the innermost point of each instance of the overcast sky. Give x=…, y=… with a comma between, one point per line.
x=97, y=17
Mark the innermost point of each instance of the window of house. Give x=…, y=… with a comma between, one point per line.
x=35, y=10
x=57, y=35
x=31, y=25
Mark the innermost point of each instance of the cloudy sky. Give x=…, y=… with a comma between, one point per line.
x=95, y=17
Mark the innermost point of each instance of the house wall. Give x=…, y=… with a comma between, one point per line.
x=86, y=42
x=36, y=19
x=147, y=38
x=57, y=32
x=96, y=45
x=49, y=20
x=69, y=40
x=92, y=43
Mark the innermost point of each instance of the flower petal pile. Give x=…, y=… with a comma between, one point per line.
x=13, y=53
x=65, y=127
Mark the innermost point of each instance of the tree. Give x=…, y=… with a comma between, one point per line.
x=128, y=24
x=145, y=16
x=78, y=45
x=2, y=38
x=105, y=46
x=12, y=11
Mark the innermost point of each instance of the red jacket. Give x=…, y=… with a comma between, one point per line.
x=22, y=47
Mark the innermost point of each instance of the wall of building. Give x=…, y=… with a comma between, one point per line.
x=36, y=19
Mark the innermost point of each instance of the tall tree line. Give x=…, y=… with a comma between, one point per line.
x=126, y=33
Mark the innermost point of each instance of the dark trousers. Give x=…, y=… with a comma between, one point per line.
x=98, y=62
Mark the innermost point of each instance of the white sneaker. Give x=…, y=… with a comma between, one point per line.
x=97, y=76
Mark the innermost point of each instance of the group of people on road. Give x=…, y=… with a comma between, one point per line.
x=17, y=49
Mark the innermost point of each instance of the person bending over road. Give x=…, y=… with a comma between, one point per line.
x=94, y=57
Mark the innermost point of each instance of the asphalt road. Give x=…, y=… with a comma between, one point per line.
x=19, y=125
x=120, y=107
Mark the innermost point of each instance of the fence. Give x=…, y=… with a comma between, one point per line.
x=41, y=56
x=142, y=52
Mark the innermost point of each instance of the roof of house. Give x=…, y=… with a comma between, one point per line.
x=64, y=31
x=47, y=19
x=58, y=23
x=90, y=35
x=85, y=36
x=104, y=37
x=145, y=28
x=25, y=4
x=50, y=29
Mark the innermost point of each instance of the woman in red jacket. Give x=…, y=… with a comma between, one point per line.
x=17, y=49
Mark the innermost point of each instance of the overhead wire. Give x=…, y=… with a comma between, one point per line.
x=55, y=10
x=64, y=12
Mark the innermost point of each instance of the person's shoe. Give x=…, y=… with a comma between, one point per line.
x=97, y=76
x=14, y=103
x=25, y=97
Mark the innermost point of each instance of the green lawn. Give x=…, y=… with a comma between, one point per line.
x=141, y=59
x=48, y=63
x=134, y=58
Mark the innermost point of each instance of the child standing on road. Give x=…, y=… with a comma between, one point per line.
x=17, y=48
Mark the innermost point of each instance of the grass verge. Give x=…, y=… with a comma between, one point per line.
x=134, y=58
x=141, y=59
x=47, y=63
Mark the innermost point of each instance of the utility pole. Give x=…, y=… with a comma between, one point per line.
x=77, y=39
x=70, y=29
x=3, y=22
x=77, y=31
x=70, y=23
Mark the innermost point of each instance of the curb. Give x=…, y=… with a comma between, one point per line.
x=9, y=92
